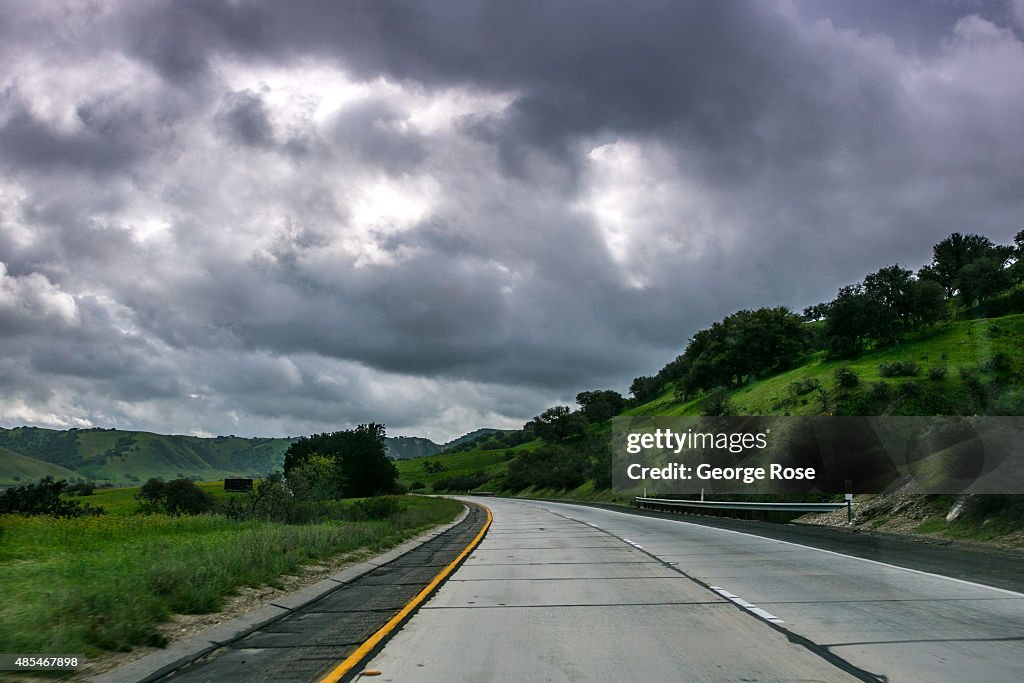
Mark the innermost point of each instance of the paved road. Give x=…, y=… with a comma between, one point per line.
x=566, y=593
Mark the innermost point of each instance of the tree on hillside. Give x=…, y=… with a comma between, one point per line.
x=952, y=254
x=976, y=253
x=360, y=455
x=741, y=346
x=889, y=293
x=644, y=389
x=559, y=423
x=929, y=303
x=980, y=279
x=598, y=406
x=888, y=304
x=1017, y=269
x=848, y=322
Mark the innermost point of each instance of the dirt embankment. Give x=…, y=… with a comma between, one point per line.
x=987, y=520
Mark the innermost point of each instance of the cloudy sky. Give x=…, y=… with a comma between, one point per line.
x=269, y=218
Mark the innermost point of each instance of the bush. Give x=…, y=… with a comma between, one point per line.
x=969, y=376
x=881, y=391
x=847, y=378
x=177, y=497
x=803, y=386
x=899, y=368
x=417, y=485
x=379, y=507
x=185, y=498
x=271, y=500
x=43, y=498
x=317, y=478
x=937, y=373
x=717, y=403
x=1010, y=403
x=82, y=488
x=997, y=363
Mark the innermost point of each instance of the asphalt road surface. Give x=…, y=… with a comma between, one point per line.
x=568, y=593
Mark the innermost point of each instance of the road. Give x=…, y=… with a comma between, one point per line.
x=559, y=592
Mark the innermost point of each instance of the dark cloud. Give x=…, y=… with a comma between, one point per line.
x=244, y=119
x=275, y=218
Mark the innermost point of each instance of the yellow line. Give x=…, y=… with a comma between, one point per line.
x=356, y=657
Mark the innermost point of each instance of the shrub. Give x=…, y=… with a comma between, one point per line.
x=417, y=485
x=997, y=363
x=43, y=498
x=803, y=386
x=847, y=378
x=271, y=500
x=178, y=497
x=183, y=497
x=379, y=507
x=317, y=478
x=899, y=368
x=82, y=488
x=717, y=403
x=881, y=391
x=937, y=373
x=1010, y=403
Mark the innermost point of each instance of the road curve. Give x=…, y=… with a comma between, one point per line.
x=567, y=593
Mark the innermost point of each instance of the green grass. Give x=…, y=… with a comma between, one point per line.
x=17, y=469
x=457, y=464
x=104, y=583
x=121, y=501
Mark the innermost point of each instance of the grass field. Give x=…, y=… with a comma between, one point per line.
x=121, y=501
x=100, y=583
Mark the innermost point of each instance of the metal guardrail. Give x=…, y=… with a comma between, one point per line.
x=644, y=502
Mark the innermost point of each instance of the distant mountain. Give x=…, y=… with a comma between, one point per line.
x=407, y=447
x=122, y=457
x=473, y=436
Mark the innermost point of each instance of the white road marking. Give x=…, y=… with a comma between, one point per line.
x=764, y=614
x=964, y=582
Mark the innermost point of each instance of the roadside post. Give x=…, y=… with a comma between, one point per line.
x=849, y=501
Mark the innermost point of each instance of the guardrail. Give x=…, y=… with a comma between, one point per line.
x=663, y=503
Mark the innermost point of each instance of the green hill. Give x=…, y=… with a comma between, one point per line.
x=963, y=368
x=16, y=468
x=118, y=457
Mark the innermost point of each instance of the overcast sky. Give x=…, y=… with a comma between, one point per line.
x=273, y=218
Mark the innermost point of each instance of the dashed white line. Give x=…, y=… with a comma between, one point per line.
x=764, y=614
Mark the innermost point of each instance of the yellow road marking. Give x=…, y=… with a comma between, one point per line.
x=356, y=657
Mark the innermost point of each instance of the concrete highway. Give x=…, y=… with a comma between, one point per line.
x=568, y=593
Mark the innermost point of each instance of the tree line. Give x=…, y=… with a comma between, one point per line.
x=968, y=275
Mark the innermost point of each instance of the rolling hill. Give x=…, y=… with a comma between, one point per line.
x=16, y=468
x=123, y=457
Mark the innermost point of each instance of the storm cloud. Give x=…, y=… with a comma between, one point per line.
x=267, y=218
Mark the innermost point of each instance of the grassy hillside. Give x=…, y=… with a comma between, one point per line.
x=119, y=457
x=492, y=463
x=966, y=350
x=16, y=468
